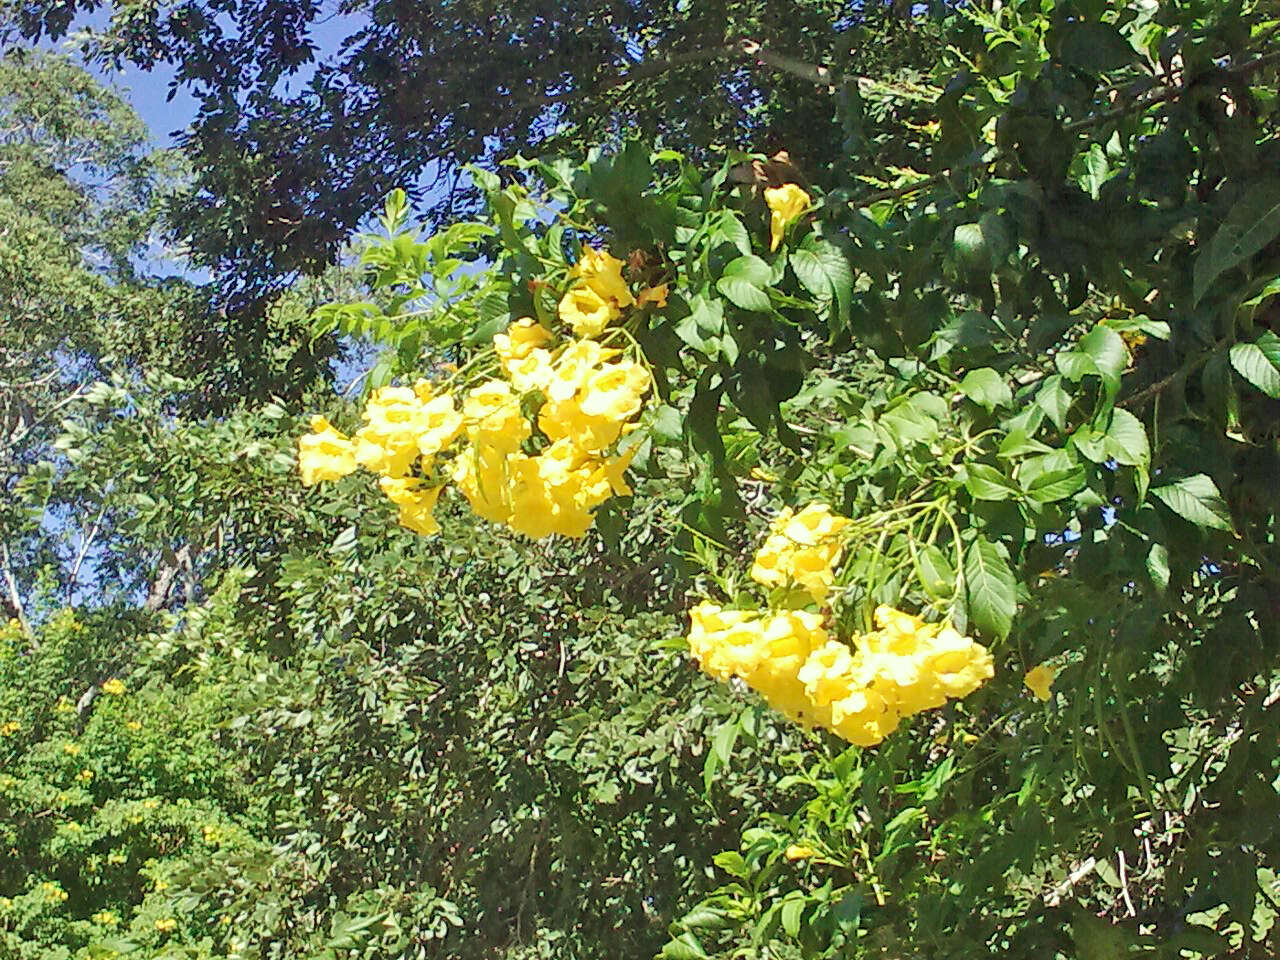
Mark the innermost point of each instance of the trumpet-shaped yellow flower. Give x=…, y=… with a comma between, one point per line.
x=586, y=312
x=438, y=424
x=798, y=851
x=602, y=274
x=521, y=339
x=492, y=417
x=786, y=204
x=1039, y=680
x=534, y=371
x=324, y=454
x=481, y=475
x=415, y=502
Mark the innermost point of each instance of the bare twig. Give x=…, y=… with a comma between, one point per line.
x=85, y=542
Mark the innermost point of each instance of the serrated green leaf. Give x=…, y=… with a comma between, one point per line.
x=1110, y=356
x=743, y=294
x=1196, y=499
x=935, y=572
x=990, y=588
x=1127, y=439
x=1252, y=363
x=1053, y=399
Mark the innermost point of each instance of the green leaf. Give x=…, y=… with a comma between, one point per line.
x=1252, y=363
x=1053, y=399
x=986, y=388
x=1254, y=221
x=1095, y=47
x=1158, y=566
x=987, y=483
x=743, y=283
x=1127, y=439
x=792, y=908
x=731, y=862
x=683, y=947
x=750, y=268
x=1052, y=477
x=935, y=572
x=1106, y=349
x=809, y=271
x=1196, y=499
x=990, y=588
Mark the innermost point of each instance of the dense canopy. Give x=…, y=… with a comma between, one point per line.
x=810, y=493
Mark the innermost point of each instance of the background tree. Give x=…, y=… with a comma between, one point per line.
x=292, y=145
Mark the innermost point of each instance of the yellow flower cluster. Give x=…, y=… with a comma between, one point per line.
x=598, y=299
x=9, y=728
x=53, y=893
x=801, y=549
x=166, y=925
x=114, y=687
x=859, y=690
x=585, y=396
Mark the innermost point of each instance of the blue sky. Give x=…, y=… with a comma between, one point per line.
x=148, y=91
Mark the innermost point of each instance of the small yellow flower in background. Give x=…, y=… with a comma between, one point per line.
x=53, y=893
x=115, y=857
x=9, y=728
x=114, y=687
x=64, y=706
x=166, y=924
x=1039, y=679
x=324, y=454
x=161, y=886
x=586, y=312
x=786, y=203
x=798, y=851
x=71, y=749
x=655, y=295
x=133, y=725
x=84, y=776
x=105, y=918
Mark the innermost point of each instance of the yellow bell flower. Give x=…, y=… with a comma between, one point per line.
x=491, y=413
x=602, y=274
x=414, y=501
x=586, y=312
x=1039, y=680
x=521, y=338
x=324, y=454
x=786, y=203
x=797, y=851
